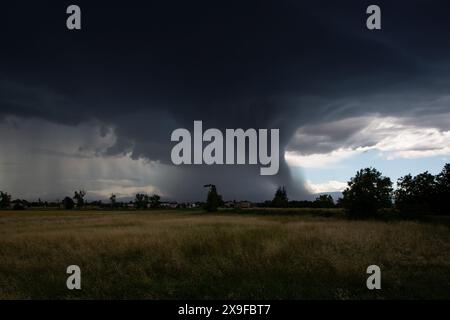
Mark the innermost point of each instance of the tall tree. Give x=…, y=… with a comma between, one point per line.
x=366, y=193
x=443, y=190
x=213, y=200
x=280, y=200
x=155, y=201
x=324, y=201
x=5, y=200
x=141, y=201
x=79, y=198
x=416, y=194
x=112, y=198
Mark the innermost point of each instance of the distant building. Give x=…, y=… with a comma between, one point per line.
x=229, y=204
x=169, y=205
x=238, y=204
x=244, y=204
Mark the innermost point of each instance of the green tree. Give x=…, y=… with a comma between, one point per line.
x=416, y=194
x=280, y=199
x=112, y=198
x=79, y=198
x=443, y=190
x=324, y=201
x=5, y=200
x=213, y=200
x=141, y=201
x=155, y=201
x=366, y=193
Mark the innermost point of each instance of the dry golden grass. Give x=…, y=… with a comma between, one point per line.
x=189, y=255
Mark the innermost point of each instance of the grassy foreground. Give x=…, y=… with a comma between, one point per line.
x=190, y=255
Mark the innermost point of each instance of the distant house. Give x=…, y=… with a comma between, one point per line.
x=238, y=204
x=19, y=204
x=169, y=205
x=229, y=204
x=244, y=204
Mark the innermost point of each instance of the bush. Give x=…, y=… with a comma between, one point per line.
x=18, y=206
x=68, y=203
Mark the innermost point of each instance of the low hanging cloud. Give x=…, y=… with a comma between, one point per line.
x=392, y=137
x=122, y=191
x=326, y=187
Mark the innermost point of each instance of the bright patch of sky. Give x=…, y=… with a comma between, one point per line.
x=389, y=145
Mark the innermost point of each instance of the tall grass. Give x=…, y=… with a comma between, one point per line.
x=192, y=255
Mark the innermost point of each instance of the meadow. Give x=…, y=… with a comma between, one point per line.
x=226, y=255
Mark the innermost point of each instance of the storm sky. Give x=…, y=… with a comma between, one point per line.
x=95, y=108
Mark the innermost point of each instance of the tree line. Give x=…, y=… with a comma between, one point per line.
x=366, y=193
x=369, y=191
x=141, y=201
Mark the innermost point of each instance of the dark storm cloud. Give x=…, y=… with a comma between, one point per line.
x=147, y=68
x=326, y=137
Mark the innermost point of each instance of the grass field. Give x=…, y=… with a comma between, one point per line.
x=190, y=255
